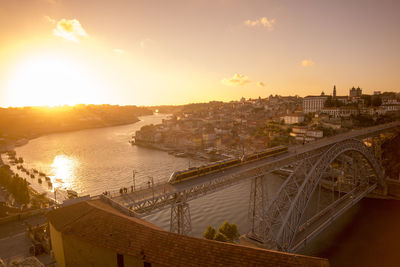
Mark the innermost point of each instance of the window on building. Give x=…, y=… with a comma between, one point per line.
x=120, y=260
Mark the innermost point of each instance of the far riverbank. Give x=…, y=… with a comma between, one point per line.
x=23, y=141
x=19, y=125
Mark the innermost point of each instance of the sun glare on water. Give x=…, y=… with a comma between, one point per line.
x=63, y=168
x=49, y=81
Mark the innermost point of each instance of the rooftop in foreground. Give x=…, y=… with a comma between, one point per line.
x=101, y=225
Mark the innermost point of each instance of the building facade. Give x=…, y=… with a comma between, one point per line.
x=314, y=103
x=292, y=119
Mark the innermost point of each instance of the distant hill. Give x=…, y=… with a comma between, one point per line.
x=28, y=122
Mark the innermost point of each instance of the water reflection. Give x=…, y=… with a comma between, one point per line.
x=63, y=169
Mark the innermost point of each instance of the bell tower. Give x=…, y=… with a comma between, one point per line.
x=334, y=91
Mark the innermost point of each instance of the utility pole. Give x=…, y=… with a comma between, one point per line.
x=152, y=184
x=133, y=179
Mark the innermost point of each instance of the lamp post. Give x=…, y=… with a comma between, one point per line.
x=133, y=179
x=152, y=184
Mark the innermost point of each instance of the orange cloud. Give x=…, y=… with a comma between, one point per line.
x=70, y=30
x=146, y=43
x=49, y=20
x=263, y=22
x=118, y=51
x=307, y=63
x=236, y=80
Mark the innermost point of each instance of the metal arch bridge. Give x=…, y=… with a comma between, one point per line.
x=283, y=222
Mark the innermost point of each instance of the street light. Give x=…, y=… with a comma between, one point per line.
x=133, y=179
x=152, y=184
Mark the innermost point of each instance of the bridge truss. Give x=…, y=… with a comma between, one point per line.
x=348, y=169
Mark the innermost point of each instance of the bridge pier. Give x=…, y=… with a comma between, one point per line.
x=180, y=221
x=258, y=201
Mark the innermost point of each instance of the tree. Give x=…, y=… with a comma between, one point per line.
x=367, y=100
x=328, y=102
x=221, y=237
x=376, y=101
x=229, y=230
x=226, y=233
x=209, y=233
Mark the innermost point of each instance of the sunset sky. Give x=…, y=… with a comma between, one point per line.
x=150, y=52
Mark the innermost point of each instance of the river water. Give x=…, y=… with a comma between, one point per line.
x=97, y=160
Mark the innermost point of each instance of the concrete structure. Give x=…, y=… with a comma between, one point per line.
x=299, y=130
x=315, y=133
x=208, y=139
x=93, y=233
x=391, y=107
x=294, y=118
x=314, y=103
x=338, y=112
x=306, y=135
x=343, y=99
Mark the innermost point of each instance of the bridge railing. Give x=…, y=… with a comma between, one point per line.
x=137, y=190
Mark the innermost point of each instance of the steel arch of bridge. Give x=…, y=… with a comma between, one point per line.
x=283, y=214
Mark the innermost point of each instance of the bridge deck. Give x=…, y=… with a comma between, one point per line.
x=148, y=199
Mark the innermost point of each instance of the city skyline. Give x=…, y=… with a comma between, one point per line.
x=152, y=53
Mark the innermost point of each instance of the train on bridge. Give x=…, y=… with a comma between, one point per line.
x=184, y=175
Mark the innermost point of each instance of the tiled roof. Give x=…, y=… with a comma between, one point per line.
x=101, y=225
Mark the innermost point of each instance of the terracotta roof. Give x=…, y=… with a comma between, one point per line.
x=101, y=225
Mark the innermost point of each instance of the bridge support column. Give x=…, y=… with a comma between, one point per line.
x=180, y=221
x=257, y=204
x=376, y=143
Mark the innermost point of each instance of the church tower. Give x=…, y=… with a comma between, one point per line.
x=334, y=91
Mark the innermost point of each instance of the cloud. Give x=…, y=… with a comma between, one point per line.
x=262, y=22
x=260, y=84
x=118, y=51
x=53, y=2
x=146, y=43
x=307, y=63
x=236, y=80
x=49, y=20
x=70, y=30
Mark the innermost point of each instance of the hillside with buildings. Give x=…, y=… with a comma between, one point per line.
x=249, y=125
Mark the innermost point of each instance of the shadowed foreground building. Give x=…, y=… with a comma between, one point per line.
x=93, y=233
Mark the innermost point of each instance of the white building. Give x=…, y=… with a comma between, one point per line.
x=315, y=133
x=292, y=119
x=306, y=135
x=314, y=103
x=391, y=107
x=337, y=112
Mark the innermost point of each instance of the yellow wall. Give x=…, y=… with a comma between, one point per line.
x=81, y=253
x=57, y=246
x=71, y=251
x=131, y=261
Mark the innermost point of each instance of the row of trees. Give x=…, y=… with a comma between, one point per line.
x=369, y=100
x=226, y=233
x=16, y=185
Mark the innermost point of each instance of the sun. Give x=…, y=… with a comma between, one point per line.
x=50, y=80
